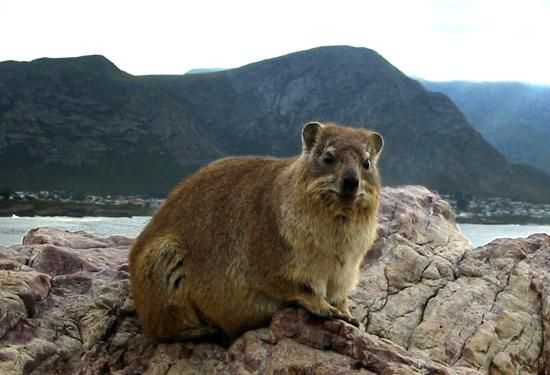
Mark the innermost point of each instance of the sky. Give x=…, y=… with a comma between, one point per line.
x=480, y=40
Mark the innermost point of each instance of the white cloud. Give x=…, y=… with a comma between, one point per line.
x=441, y=40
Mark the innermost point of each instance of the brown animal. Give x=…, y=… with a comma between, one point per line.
x=246, y=236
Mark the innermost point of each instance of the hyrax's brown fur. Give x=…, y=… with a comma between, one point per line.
x=246, y=236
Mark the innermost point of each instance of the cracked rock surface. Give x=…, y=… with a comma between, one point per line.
x=428, y=301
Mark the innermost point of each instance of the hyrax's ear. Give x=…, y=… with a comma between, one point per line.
x=310, y=134
x=377, y=143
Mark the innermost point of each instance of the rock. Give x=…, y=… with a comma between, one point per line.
x=429, y=303
x=74, y=240
x=426, y=289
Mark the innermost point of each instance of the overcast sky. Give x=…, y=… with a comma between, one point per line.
x=436, y=40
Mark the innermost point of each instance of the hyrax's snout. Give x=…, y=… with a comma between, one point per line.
x=349, y=185
x=350, y=181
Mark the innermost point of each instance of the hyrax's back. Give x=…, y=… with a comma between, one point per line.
x=202, y=250
x=245, y=236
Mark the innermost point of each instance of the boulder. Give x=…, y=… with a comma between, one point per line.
x=428, y=301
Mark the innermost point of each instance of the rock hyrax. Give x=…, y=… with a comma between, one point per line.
x=246, y=236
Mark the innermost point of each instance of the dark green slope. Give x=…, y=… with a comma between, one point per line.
x=143, y=133
x=82, y=124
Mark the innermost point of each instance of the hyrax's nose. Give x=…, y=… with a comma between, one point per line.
x=351, y=182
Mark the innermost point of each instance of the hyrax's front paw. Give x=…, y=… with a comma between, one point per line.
x=330, y=312
x=324, y=310
x=347, y=318
x=343, y=307
x=320, y=307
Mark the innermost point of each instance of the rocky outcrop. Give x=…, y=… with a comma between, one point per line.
x=430, y=292
x=428, y=301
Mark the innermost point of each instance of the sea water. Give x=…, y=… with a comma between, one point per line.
x=12, y=229
x=481, y=234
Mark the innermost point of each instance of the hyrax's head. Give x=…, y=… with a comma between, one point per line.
x=341, y=166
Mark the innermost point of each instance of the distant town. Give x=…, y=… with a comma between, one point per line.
x=61, y=196
x=497, y=210
x=61, y=203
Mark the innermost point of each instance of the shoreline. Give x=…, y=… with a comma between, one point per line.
x=79, y=209
x=118, y=212
x=30, y=208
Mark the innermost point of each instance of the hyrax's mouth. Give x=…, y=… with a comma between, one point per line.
x=347, y=199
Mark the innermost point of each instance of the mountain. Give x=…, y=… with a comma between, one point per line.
x=514, y=117
x=82, y=124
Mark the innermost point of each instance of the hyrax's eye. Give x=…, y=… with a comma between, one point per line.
x=328, y=158
x=366, y=164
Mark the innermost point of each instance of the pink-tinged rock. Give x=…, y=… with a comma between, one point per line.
x=74, y=240
x=426, y=289
x=430, y=304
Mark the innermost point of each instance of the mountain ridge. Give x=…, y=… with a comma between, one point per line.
x=512, y=116
x=142, y=134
